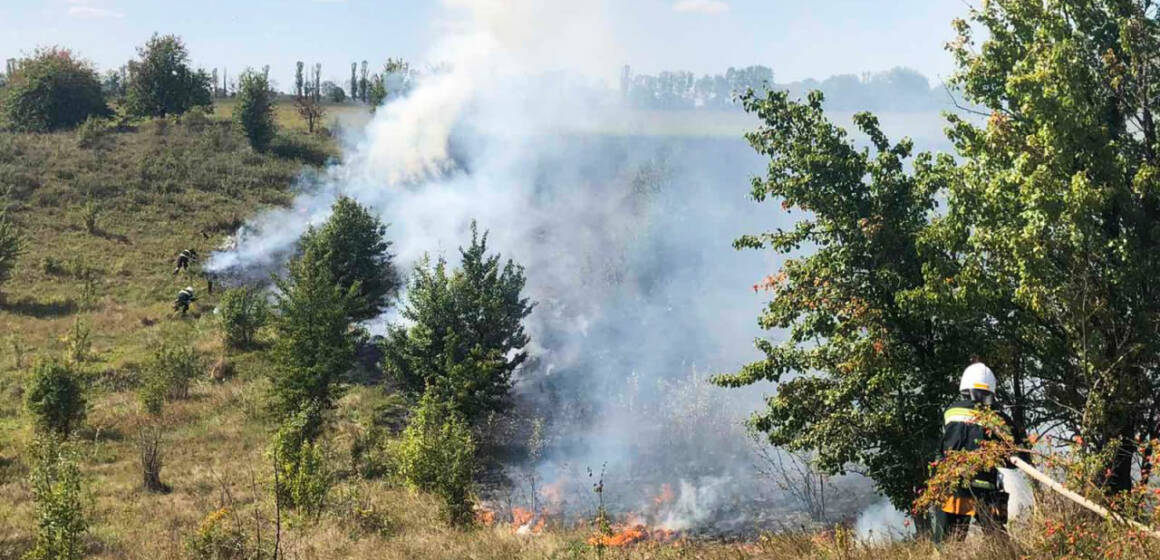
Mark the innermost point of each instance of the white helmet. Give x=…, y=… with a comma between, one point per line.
x=977, y=380
x=190, y=290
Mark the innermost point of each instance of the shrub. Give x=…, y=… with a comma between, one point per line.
x=16, y=345
x=79, y=340
x=369, y=453
x=254, y=110
x=90, y=213
x=56, y=399
x=217, y=538
x=363, y=517
x=303, y=479
x=93, y=132
x=56, y=488
x=197, y=118
x=168, y=374
x=149, y=441
x=436, y=454
x=241, y=312
x=11, y=247
x=52, y=90
x=381, y=413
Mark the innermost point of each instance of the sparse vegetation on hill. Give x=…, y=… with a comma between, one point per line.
x=102, y=294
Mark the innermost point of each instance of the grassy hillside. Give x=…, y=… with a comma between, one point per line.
x=104, y=219
x=102, y=225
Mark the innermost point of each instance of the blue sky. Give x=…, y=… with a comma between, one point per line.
x=797, y=39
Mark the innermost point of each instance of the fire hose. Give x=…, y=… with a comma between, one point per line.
x=1082, y=501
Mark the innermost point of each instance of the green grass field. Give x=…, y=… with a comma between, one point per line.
x=348, y=114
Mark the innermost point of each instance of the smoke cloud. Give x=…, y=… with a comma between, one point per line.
x=881, y=523
x=625, y=239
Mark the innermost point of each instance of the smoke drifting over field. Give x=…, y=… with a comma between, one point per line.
x=626, y=242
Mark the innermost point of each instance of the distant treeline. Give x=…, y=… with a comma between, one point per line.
x=897, y=89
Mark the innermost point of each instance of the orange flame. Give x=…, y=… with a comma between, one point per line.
x=522, y=521
x=485, y=517
x=631, y=532
x=521, y=517
x=629, y=535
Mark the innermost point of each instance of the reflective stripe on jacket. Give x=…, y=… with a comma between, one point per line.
x=961, y=432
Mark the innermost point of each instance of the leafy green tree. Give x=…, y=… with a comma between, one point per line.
x=376, y=92
x=304, y=478
x=56, y=488
x=56, y=398
x=436, y=454
x=254, y=110
x=163, y=82
x=333, y=92
x=242, y=311
x=11, y=247
x=167, y=375
x=1044, y=259
x=467, y=334
x=315, y=345
x=870, y=357
x=352, y=246
x=1059, y=206
x=51, y=90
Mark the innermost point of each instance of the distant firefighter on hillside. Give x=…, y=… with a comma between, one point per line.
x=184, y=298
x=183, y=260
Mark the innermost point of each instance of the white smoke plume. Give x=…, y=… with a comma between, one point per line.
x=881, y=523
x=625, y=239
x=1022, y=495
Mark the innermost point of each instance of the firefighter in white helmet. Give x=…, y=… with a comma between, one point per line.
x=983, y=498
x=184, y=298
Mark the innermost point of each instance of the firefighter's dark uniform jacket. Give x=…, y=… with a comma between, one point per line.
x=184, y=298
x=961, y=432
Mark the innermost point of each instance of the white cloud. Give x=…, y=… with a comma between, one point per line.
x=701, y=6
x=89, y=12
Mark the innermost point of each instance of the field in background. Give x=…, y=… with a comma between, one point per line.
x=924, y=127
x=347, y=114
